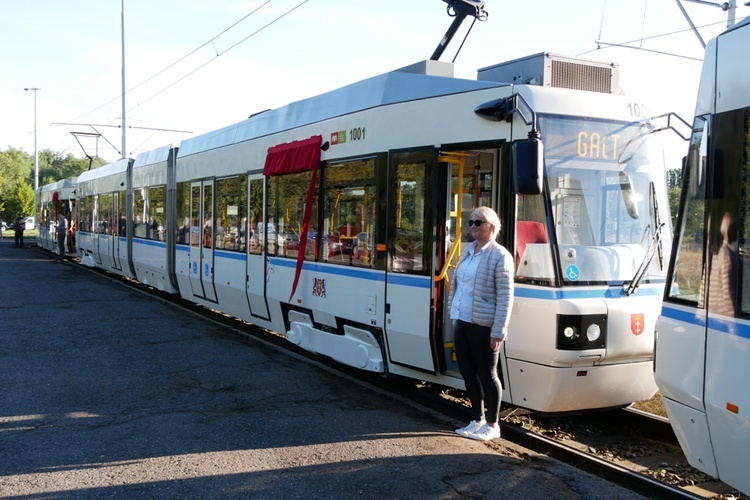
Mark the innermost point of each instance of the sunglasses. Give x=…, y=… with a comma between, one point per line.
x=477, y=223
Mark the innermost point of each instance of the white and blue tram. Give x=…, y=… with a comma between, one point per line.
x=50, y=200
x=335, y=220
x=702, y=360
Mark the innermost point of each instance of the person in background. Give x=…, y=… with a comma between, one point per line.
x=481, y=299
x=18, y=227
x=62, y=233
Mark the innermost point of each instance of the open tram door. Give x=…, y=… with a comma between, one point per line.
x=430, y=194
x=202, y=239
x=473, y=180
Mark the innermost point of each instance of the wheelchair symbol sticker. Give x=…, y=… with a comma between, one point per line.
x=206, y=270
x=195, y=268
x=572, y=272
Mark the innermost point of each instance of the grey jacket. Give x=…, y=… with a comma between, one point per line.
x=493, y=289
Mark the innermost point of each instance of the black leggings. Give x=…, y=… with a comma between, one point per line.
x=478, y=366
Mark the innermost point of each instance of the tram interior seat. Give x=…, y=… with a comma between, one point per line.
x=346, y=237
x=528, y=231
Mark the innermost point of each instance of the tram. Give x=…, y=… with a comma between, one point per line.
x=337, y=220
x=50, y=200
x=702, y=361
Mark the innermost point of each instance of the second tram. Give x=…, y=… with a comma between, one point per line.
x=703, y=334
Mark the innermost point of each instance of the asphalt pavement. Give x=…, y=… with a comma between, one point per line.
x=109, y=393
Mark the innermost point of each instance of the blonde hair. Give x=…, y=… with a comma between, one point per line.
x=486, y=213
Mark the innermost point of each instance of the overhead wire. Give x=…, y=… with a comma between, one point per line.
x=221, y=53
x=210, y=41
x=643, y=22
x=627, y=44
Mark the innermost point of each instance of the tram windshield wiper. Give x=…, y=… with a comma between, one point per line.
x=654, y=247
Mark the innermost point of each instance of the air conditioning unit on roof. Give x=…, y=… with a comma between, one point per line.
x=553, y=70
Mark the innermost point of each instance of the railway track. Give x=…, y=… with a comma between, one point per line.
x=630, y=448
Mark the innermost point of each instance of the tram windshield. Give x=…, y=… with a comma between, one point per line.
x=607, y=194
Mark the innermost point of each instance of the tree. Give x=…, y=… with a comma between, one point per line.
x=674, y=184
x=17, y=176
x=53, y=166
x=21, y=201
x=15, y=167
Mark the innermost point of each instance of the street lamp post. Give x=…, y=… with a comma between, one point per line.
x=36, y=152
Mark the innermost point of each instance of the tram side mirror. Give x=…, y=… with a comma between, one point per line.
x=626, y=188
x=528, y=166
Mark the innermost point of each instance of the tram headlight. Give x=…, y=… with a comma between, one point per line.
x=570, y=333
x=571, y=328
x=593, y=332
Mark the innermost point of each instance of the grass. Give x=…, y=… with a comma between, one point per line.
x=654, y=406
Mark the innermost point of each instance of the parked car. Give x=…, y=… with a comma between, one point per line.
x=29, y=223
x=4, y=225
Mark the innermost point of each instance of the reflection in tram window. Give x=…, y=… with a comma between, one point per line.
x=140, y=212
x=687, y=279
x=231, y=206
x=104, y=214
x=208, y=216
x=348, y=228
x=182, y=213
x=256, y=216
x=285, y=214
x=409, y=218
x=156, y=213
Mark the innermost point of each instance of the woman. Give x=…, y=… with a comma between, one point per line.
x=481, y=299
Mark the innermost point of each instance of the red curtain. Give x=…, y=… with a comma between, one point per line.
x=293, y=157
x=290, y=158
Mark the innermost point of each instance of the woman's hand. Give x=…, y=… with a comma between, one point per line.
x=495, y=343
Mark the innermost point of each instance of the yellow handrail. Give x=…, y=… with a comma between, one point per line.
x=459, y=160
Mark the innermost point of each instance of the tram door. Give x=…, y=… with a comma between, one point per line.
x=411, y=318
x=202, y=239
x=111, y=218
x=96, y=224
x=256, y=258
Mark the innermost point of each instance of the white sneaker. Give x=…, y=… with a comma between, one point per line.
x=485, y=433
x=472, y=427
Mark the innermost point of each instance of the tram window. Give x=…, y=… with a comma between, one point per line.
x=195, y=216
x=256, y=216
x=104, y=214
x=208, y=216
x=533, y=250
x=285, y=214
x=744, y=222
x=140, y=212
x=84, y=214
x=409, y=218
x=182, y=213
x=348, y=232
x=156, y=208
x=231, y=202
x=689, y=265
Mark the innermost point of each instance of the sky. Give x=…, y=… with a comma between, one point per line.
x=192, y=66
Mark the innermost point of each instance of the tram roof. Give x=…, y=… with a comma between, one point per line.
x=116, y=167
x=390, y=88
x=61, y=184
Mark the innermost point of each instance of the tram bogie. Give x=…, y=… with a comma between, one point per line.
x=336, y=220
